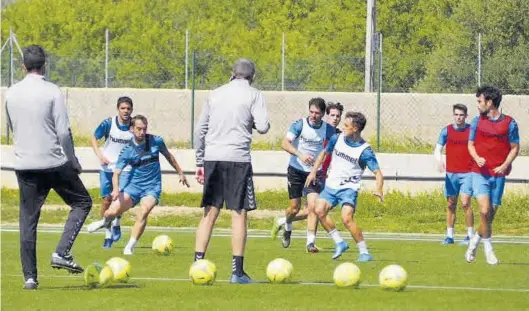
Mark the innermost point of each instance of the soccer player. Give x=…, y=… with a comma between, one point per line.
x=117, y=135
x=224, y=167
x=334, y=115
x=493, y=143
x=351, y=155
x=44, y=159
x=458, y=180
x=304, y=141
x=144, y=184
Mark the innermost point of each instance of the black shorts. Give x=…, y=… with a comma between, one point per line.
x=296, y=183
x=229, y=182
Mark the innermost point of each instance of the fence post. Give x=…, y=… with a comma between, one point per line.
x=193, y=99
x=283, y=63
x=479, y=59
x=106, y=57
x=187, y=56
x=11, y=70
x=379, y=91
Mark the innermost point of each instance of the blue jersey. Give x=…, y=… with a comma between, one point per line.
x=144, y=162
x=367, y=157
x=297, y=127
x=103, y=130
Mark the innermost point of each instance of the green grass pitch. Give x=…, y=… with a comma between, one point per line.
x=439, y=277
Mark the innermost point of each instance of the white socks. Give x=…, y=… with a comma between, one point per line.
x=288, y=226
x=311, y=237
x=131, y=244
x=115, y=222
x=362, y=247
x=108, y=233
x=450, y=232
x=335, y=235
x=487, y=244
x=470, y=231
x=282, y=221
x=475, y=239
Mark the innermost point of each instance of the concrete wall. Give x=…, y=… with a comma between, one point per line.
x=397, y=168
x=404, y=114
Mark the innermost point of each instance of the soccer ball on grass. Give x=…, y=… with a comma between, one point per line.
x=393, y=277
x=120, y=268
x=347, y=274
x=279, y=270
x=163, y=244
x=203, y=272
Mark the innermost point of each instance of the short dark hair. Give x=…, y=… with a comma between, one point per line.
x=124, y=99
x=318, y=102
x=138, y=117
x=331, y=105
x=459, y=107
x=357, y=118
x=34, y=58
x=490, y=93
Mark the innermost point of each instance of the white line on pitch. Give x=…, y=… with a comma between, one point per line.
x=431, y=287
x=385, y=237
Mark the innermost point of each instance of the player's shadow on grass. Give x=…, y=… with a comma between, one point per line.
x=84, y=287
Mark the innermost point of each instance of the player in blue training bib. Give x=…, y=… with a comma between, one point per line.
x=117, y=134
x=350, y=156
x=144, y=182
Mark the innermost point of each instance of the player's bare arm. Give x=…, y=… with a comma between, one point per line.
x=472, y=150
x=115, y=184
x=319, y=160
x=171, y=159
x=102, y=159
x=286, y=144
x=379, y=184
x=515, y=149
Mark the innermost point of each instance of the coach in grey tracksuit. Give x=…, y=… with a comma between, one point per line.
x=223, y=140
x=44, y=160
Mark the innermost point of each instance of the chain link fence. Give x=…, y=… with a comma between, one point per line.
x=402, y=116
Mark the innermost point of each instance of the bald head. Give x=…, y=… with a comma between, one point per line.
x=244, y=69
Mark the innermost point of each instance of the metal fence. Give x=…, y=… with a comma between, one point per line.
x=329, y=72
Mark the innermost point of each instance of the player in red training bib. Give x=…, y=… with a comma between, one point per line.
x=494, y=143
x=458, y=180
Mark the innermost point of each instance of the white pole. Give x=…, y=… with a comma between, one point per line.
x=283, y=63
x=11, y=60
x=479, y=59
x=370, y=29
x=187, y=56
x=106, y=56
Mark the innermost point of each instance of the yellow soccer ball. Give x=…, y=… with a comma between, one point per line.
x=91, y=274
x=279, y=270
x=347, y=274
x=121, y=269
x=163, y=244
x=203, y=272
x=106, y=276
x=393, y=277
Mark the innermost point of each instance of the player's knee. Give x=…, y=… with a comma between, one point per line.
x=347, y=218
x=320, y=211
x=107, y=200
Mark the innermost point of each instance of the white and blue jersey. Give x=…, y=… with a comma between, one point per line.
x=349, y=160
x=309, y=139
x=145, y=177
x=116, y=138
